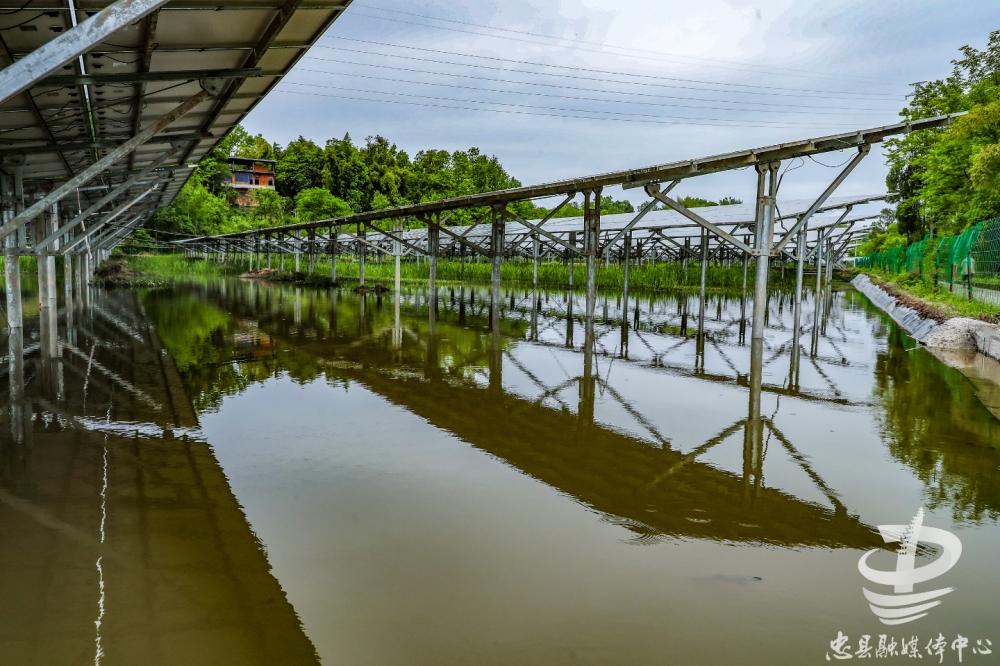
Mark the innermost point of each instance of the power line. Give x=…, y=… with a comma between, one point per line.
x=690, y=121
x=736, y=66
x=779, y=107
x=581, y=99
x=589, y=70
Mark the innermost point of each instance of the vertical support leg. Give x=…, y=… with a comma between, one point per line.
x=312, y=251
x=800, y=247
x=534, y=259
x=298, y=250
x=361, y=255
x=754, y=432
x=572, y=241
x=765, y=225
x=12, y=264
x=334, y=251
x=626, y=260
x=397, y=331
x=701, y=290
x=496, y=254
x=433, y=242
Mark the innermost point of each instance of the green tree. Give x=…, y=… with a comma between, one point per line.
x=317, y=203
x=299, y=167
x=931, y=172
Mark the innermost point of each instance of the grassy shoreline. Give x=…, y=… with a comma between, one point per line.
x=645, y=277
x=936, y=299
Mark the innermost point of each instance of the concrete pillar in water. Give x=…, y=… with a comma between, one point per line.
x=829, y=260
x=13, y=204
x=298, y=241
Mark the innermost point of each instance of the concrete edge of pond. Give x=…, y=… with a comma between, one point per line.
x=955, y=334
x=918, y=326
x=970, y=346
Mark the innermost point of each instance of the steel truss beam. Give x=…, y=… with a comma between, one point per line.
x=149, y=77
x=653, y=190
x=644, y=176
x=44, y=60
x=862, y=152
x=113, y=156
x=110, y=196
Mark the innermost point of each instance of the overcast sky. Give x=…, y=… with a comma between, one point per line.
x=563, y=88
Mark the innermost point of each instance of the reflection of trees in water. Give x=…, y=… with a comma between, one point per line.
x=223, y=340
x=933, y=423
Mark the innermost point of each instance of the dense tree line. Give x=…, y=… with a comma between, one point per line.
x=948, y=179
x=340, y=178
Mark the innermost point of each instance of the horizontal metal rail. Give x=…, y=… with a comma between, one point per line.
x=634, y=177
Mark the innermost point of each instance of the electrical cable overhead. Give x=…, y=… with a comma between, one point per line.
x=780, y=107
x=590, y=70
x=692, y=121
x=727, y=64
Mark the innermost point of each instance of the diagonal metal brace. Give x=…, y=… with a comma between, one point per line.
x=368, y=243
x=538, y=230
x=642, y=214
x=460, y=238
x=124, y=187
x=862, y=151
x=394, y=237
x=653, y=190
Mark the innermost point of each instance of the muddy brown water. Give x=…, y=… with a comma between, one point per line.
x=230, y=472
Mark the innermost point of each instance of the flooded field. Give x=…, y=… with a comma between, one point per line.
x=230, y=472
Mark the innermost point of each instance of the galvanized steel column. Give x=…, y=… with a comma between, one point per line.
x=361, y=255
x=701, y=291
x=12, y=259
x=496, y=254
x=765, y=236
x=312, y=251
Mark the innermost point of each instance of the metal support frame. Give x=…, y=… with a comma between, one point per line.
x=27, y=71
x=124, y=187
x=118, y=210
x=102, y=164
x=148, y=77
x=653, y=190
x=642, y=213
x=863, y=150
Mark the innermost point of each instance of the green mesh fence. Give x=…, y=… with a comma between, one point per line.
x=969, y=262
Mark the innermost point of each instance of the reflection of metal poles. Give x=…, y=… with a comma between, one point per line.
x=753, y=439
x=15, y=361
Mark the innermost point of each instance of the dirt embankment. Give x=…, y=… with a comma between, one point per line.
x=117, y=273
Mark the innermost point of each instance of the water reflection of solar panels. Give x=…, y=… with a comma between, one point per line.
x=662, y=333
